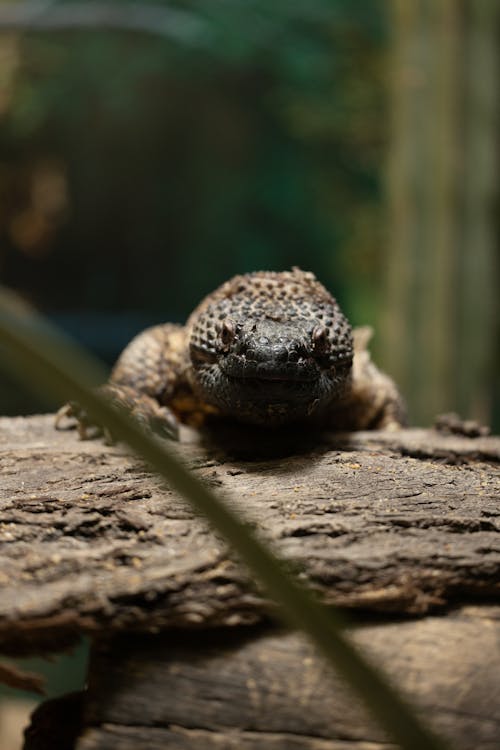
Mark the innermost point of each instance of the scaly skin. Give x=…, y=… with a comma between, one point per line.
x=264, y=348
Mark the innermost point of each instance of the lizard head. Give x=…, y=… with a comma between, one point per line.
x=270, y=348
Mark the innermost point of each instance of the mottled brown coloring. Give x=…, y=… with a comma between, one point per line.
x=265, y=348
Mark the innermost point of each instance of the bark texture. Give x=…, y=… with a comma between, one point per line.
x=90, y=541
x=275, y=686
x=259, y=687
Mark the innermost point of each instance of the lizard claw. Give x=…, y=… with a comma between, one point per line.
x=72, y=416
x=65, y=412
x=149, y=414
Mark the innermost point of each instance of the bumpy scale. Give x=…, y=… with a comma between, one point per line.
x=265, y=348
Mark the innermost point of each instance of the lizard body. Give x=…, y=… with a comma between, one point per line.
x=264, y=348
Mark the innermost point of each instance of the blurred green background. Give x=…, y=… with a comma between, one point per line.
x=150, y=151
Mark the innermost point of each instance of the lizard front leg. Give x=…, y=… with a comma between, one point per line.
x=142, y=382
x=374, y=402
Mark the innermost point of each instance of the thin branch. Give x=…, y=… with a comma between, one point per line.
x=19, y=679
x=46, y=15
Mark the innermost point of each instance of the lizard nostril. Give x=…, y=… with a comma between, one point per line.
x=281, y=354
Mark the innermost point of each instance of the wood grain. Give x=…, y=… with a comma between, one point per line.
x=273, y=684
x=262, y=687
x=90, y=541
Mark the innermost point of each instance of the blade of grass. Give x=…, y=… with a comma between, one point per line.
x=46, y=360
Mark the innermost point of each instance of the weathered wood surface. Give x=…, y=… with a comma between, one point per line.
x=256, y=687
x=91, y=541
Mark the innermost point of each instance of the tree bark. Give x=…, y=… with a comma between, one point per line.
x=92, y=542
x=439, y=331
x=261, y=687
x=186, y=650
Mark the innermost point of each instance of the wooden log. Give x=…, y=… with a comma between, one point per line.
x=185, y=653
x=260, y=687
x=91, y=542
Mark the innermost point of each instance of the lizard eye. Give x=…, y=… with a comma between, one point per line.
x=320, y=340
x=228, y=331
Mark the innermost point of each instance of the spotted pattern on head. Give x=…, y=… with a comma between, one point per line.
x=270, y=347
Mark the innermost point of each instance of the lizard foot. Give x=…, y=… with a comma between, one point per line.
x=145, y=410
x=72, y=416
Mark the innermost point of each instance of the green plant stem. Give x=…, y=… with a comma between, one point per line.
x=63, y=369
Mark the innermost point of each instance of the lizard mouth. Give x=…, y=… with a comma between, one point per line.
x=269, y=392
x=270, y=378
x=269, y=371
x=250, y=373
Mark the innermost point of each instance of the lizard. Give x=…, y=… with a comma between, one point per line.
x=265, y=348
